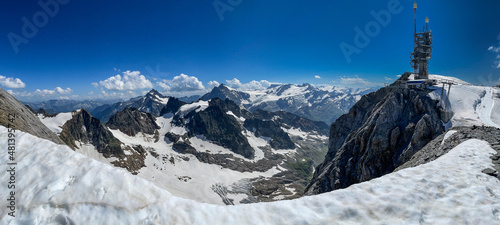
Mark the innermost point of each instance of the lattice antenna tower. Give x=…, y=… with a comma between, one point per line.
x=422, y=48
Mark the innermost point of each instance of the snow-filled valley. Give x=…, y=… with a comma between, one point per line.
x=57, y=185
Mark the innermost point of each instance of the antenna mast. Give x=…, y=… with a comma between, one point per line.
x=415, y=17
x=422, y=48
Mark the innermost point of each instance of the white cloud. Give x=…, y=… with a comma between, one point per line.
x=43, y=94
x=317, y=77
x=182, y=83
x=131, y=80
x=496, y=50
x=113, y=95
x=357, y=82
x=212, y=84
x=388, y=78
x=10, y=82
x=234, y=83
x=57, y=90
x=163, y=86
x=252, y=85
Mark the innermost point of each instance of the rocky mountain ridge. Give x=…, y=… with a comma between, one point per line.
x=152, y=102
x=84, y=129
x=306, y=100
x=381, y=132
x=16, y=115
x=280, y=146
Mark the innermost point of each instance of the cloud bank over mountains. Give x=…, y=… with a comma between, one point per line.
x=133, y=83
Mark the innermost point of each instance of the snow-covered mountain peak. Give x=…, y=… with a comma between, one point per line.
x=156, y=96
x=323, y=103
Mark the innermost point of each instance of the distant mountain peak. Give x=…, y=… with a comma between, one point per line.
x=155, y=93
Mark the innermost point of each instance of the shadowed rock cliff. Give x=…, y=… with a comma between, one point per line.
x=381, y=132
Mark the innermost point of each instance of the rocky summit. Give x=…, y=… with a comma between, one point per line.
x=381, y=132
x=131, y=121
x=216, y=125
x=153, y=102
x=83, y=129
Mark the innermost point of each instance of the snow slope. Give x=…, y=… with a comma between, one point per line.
x=183, y=174
x=55, y=123
x=56, y=185
x=441, y=78
x=471, y=105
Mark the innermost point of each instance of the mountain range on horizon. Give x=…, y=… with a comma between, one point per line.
x=390, y=139
x=316, y=103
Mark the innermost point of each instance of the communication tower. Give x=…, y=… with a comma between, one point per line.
x=422, y=48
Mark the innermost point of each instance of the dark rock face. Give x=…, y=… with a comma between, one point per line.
x=216, y=125
x=150, y=103
x=131, y=121
x=268, y=128
x=89, y=130
x=381, y=132
x=25, y=120
x=287, y=119
x=173, y=105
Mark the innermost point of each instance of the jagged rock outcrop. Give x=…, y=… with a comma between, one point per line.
x=89, y=130
x=268, y=128
x=173, y=105
x=152, y=102
x=82, y=128
x=287, y=119
x=216, y=125
x=131, y=121
x=223, y=123
x=381, y=132
x=25, y=120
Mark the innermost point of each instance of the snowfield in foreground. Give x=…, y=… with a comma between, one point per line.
x=57, y=185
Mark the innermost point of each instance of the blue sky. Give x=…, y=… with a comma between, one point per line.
x=82, y=46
